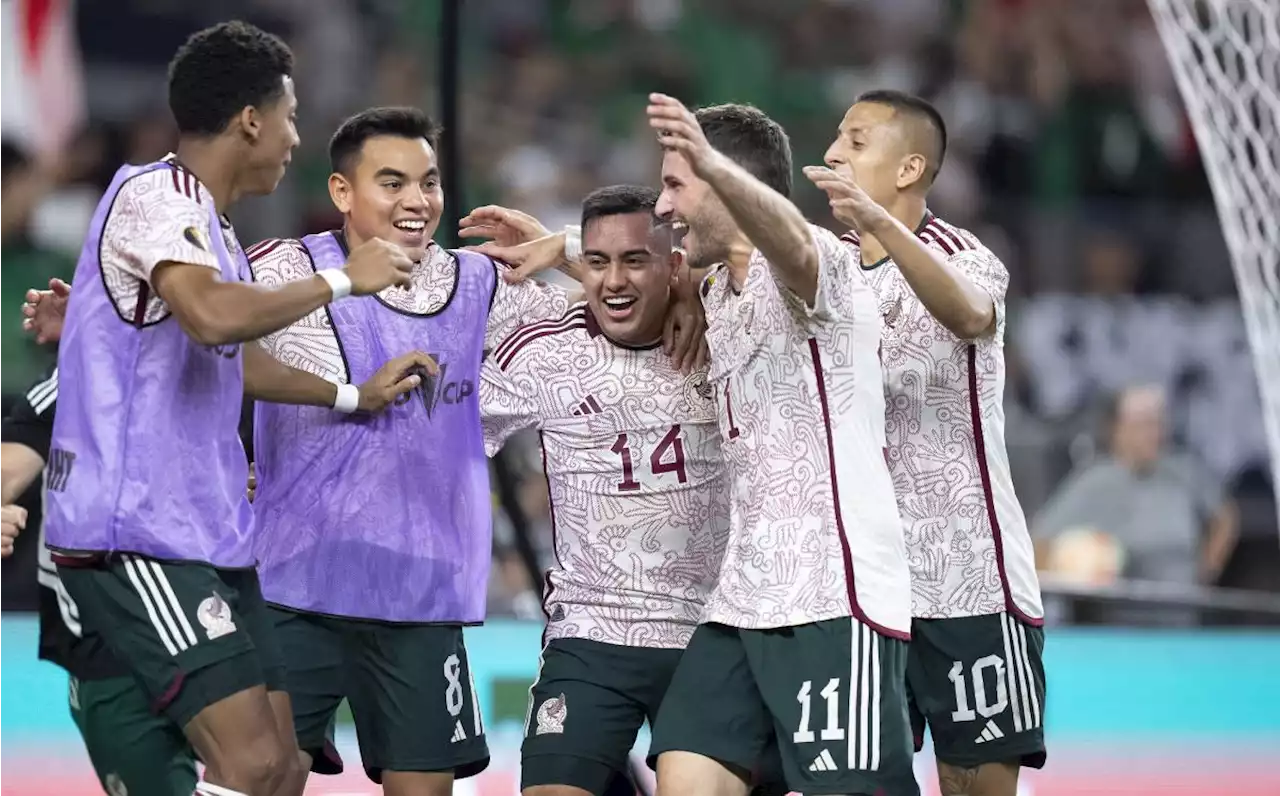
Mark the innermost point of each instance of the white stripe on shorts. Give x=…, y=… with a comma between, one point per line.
x=131, y=569
x=864, y=698
x=163, y=580
x=1017, y=688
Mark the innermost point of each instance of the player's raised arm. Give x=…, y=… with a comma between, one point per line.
x=949, y=295
x=215, y=312
x=768, y=219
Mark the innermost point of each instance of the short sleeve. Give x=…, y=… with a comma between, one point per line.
x=837, y=278
x=30, y=421
x=977, y=262
x=515, y=305
x=275, y=263
x=153, y=221
x=508, y=403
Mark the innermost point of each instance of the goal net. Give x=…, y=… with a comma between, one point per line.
x=1226, y=57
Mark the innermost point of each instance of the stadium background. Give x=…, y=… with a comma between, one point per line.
x=1070, y=156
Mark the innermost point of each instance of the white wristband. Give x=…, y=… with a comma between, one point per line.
x=347, y=399
x=338, y=281
x=572, y=242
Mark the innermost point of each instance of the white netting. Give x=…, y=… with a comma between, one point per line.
x=1226, y=56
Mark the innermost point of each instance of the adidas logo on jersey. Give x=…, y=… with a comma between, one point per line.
x=990, y=733
x=588, y=406
x=459, y=734
x=823, y=762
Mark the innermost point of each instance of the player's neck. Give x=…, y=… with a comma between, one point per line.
x=213, y=166
x=739, y=260
x=353, y=238
x=909, y=210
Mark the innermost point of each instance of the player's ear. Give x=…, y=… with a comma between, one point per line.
x=250, y=123
x=340, y=192
x=911, y=171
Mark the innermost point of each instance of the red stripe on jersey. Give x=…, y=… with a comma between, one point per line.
x=262, y=248
x=140, y=308
x=177, y=185
x=932, y=238
x=980, y=449
x=956, y=239
x=845, y=551
x=507, y=349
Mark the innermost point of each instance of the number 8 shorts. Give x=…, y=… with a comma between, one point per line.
x=410, y=688
x=829, y=697
x=978, y=683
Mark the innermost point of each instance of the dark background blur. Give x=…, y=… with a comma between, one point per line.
x=1070, y=155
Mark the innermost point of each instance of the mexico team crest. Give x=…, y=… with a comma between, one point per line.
x=215, y=616
x=551, y=716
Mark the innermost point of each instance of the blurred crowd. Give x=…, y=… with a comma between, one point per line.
x=1069, y=155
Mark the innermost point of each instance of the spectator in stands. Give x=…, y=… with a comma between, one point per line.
x=1172, y=523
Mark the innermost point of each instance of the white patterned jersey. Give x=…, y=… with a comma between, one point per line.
x=632, y=459
x=966, y=534
x=814, y=528
x=310, y=343
x=158, y=216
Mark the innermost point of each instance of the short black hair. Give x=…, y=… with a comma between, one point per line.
x=616, y=200
x=398, y=121
x=922, y=110
x=752, y=140
x=220, y=71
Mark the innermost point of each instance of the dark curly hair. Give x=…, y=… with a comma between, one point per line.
x=220, y=71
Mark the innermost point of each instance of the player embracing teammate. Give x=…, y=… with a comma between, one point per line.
x=790, y=333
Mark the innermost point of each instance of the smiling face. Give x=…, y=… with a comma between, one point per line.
x=876, y=147
x=689, y=203
x=627, y=275
x=393, y=192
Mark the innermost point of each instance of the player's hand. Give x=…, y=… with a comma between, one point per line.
x=377, y=264
x=502, y=225
x=529, y=258
x=684, y=333
x=12, y=520
x=394, y=379
x=678, y=129
x=253, y=482
x=849, y=203
x=44, y=311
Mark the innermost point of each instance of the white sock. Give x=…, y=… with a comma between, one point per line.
x=209, y=789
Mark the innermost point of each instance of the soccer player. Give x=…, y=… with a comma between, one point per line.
x=372, y=583
x=148, y=521
x=637, y=489
x=974, y=668
x=804, y=637
x=133, y=750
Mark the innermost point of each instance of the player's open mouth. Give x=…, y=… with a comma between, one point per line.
x=412, y=229
x=619, y=307
x=678, y=231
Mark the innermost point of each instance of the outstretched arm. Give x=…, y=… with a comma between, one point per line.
x=770, y=221
x=956, y=300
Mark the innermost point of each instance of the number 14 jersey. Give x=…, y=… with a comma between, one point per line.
x=631, y=453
